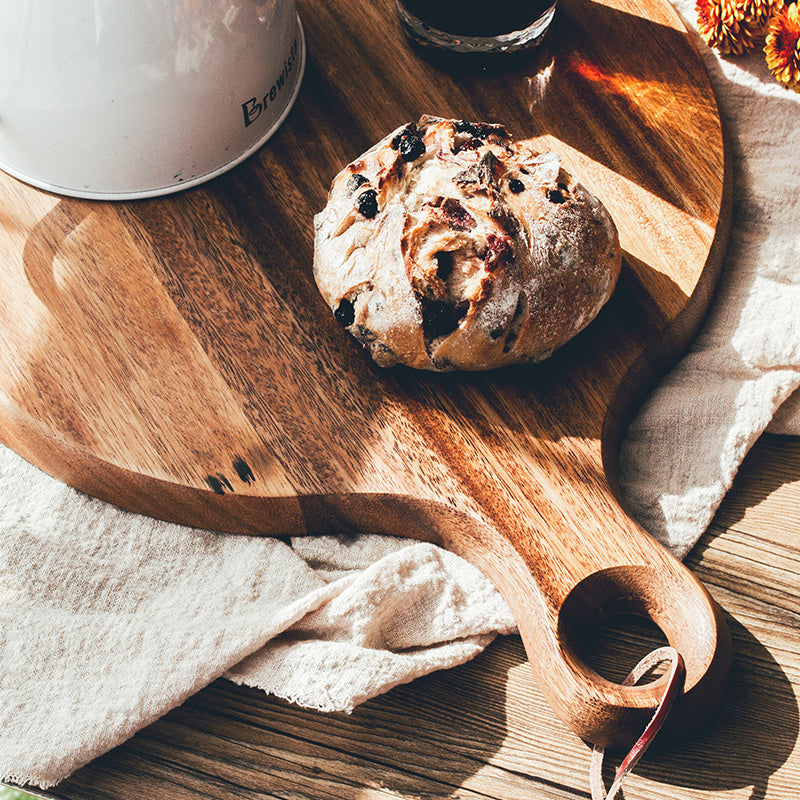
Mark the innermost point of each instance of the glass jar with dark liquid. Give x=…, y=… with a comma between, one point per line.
x=476, y=26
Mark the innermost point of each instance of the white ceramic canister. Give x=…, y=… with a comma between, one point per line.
x=119, y=99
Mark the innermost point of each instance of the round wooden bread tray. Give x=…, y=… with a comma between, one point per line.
x=174, y=357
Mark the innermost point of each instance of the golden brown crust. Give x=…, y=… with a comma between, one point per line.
x=449, y=246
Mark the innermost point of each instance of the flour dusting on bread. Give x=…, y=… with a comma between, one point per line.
x=449, y=246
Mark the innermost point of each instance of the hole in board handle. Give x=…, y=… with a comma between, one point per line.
x=625, y=612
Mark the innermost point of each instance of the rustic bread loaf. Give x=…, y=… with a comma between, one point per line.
x=448, y=246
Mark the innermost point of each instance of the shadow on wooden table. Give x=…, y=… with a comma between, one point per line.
x=754, y=735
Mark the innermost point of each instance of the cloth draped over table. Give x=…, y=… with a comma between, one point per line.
x=108, y=619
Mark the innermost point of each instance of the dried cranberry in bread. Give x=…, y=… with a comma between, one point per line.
x=448, y=246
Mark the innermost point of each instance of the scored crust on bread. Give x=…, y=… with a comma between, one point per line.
x=449, y=246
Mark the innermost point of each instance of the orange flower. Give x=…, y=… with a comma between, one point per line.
x=759, y=12
x=734, y=26
x=783, y=46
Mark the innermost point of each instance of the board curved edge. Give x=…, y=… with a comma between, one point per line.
x=655, y=361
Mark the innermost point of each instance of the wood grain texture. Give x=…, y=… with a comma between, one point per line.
x=484, y=730
x=174, y=357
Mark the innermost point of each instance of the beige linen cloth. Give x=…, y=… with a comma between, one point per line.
x=108, y=620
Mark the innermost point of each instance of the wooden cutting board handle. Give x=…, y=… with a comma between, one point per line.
x=565, y=556
x=555, y=626
x=562, y=573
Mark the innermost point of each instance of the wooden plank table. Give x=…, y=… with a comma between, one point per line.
x=483, y=730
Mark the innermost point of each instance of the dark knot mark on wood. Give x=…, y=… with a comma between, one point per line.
x=219, y=483
x=243, y=470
